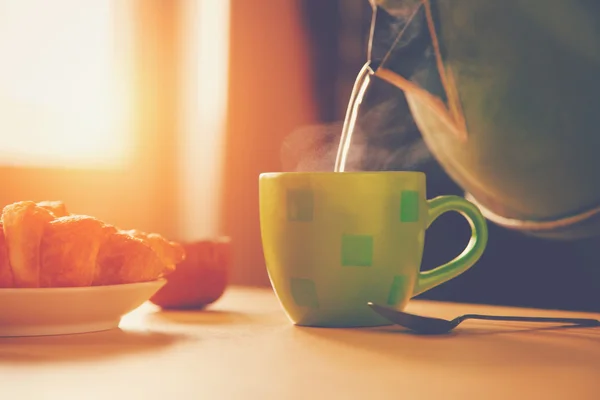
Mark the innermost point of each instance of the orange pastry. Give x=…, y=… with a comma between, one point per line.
x=68, y=251
x=199, y=280
x=126, y=259
x=58, y=208
x=23, y=225
x=6, y=277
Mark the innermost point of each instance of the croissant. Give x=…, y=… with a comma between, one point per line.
x=68, y=251
x=125, y=259
x=171, y=253
x=23, y=225
x=57, y=208
x=42, y=245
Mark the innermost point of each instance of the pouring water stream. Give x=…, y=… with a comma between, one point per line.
x=356, y=97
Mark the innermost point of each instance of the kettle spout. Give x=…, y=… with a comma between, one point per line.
x=403, y=44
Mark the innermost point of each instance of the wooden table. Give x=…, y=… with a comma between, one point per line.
x=245, y=348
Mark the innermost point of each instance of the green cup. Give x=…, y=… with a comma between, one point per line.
x=334, y=241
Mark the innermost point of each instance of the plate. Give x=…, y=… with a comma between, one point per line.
x=60, y=311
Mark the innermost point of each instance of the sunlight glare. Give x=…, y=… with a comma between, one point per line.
x=61, y=100
x=206, y=63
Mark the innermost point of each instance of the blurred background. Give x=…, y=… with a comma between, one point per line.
x=161, y=114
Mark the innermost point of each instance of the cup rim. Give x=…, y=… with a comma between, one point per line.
x=355, y=173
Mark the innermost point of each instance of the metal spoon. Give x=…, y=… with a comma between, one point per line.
x=430, y=325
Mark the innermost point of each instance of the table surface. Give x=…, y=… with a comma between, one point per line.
x=245, y=348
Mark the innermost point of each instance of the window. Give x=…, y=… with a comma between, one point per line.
x=63, y=98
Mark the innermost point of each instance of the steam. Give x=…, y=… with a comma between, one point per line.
x=311, y=148
x=386, y=137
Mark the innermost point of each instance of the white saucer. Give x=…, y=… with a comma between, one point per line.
x=60, y=311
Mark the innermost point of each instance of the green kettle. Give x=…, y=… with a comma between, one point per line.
x=507, y=100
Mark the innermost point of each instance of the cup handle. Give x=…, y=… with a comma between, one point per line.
x=474, y=250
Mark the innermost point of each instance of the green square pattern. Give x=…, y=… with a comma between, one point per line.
x=304, y=292
x=357, y=250
x=300, y=205
x=396, y=291
x=409, y=206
